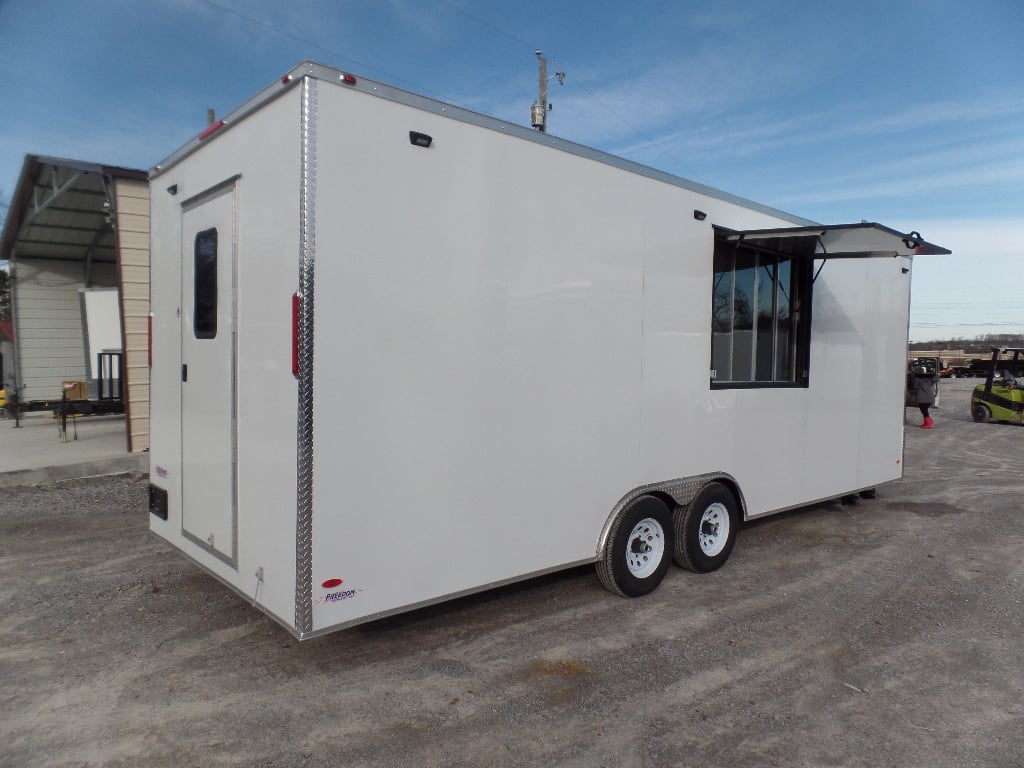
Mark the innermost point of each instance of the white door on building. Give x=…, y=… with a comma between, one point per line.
x=208, y=401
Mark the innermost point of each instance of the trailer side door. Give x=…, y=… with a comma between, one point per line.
x=208, y=373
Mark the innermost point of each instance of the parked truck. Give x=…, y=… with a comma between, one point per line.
x=403, y=352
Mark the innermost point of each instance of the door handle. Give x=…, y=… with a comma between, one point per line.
x=184, y=372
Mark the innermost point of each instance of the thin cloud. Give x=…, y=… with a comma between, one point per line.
x=886, y=181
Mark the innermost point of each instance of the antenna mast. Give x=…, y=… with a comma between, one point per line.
x=541, y=107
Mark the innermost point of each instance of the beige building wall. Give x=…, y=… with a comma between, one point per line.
x=131, y=206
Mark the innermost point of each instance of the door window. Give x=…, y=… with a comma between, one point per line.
x=205, y=321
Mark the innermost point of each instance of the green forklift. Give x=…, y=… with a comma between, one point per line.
x=1001, y=397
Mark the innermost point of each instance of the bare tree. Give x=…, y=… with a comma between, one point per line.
x=5, y=294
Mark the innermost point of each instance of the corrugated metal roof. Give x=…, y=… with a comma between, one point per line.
x=61, y=209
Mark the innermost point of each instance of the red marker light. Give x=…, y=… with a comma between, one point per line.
x=211, y=130
x=348, y=79
x=331, y=583
x=286, y=79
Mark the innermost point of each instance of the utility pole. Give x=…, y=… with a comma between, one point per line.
x=541, y=107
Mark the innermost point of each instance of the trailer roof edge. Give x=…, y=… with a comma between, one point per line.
x=341, y=78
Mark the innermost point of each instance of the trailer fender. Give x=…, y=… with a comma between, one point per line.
x=674, y=493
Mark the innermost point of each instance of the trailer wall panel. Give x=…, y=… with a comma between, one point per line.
x=435, y=314
x=502, y=351
x=268, y=246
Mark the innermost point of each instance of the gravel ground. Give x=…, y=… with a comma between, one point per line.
x=885, y=633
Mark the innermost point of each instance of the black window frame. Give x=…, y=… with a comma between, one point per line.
x=205, y=285
x=760, y=261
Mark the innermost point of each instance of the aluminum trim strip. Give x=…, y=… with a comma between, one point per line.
x=231, y=560
x=209, y=193
x=304, y=443
x=265, y=96
x=443, y=599
x=234, y=373
x=822, y=500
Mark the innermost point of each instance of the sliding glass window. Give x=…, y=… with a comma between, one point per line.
x=759, y=328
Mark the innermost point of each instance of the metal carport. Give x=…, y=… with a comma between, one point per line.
x=74, y=227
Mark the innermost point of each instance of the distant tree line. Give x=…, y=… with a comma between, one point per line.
x=979, y=344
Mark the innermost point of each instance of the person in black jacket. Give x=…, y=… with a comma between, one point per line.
x=925, y=386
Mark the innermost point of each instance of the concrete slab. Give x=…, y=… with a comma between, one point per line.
x=37, y=451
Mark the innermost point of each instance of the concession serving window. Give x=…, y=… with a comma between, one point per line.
x=761, y=296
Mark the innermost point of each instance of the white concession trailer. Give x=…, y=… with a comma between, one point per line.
x=403, y=352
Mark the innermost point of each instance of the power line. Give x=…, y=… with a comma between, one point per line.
x=587, y=91
x=636, y=130
x=396, y=79
x=487, y=24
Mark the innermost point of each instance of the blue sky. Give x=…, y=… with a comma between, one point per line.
x=905, y=112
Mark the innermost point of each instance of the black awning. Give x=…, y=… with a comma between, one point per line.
x=842, y=241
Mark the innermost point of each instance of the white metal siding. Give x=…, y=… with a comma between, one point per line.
x=268, y=266
x=508, y=340
x=48, y=314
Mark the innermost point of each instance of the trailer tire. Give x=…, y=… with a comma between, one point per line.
x=639, y=548
x=705, y=529
x=980, y=413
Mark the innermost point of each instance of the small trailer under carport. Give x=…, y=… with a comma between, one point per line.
x=404, y=352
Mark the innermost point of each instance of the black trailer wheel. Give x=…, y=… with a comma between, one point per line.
x=981, y=413
x=638, y=550
x=706, y=529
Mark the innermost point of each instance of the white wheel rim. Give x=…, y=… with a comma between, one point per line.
x=714, y=529
x=645, y=548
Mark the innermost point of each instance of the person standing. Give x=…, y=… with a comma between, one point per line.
x=925, y=386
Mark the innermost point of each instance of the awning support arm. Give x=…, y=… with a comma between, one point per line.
x=824, y=259
x=818, y=272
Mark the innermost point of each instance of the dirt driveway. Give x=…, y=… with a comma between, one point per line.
x=886, y=633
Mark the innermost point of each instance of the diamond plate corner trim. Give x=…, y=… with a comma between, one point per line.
x=304, y=473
